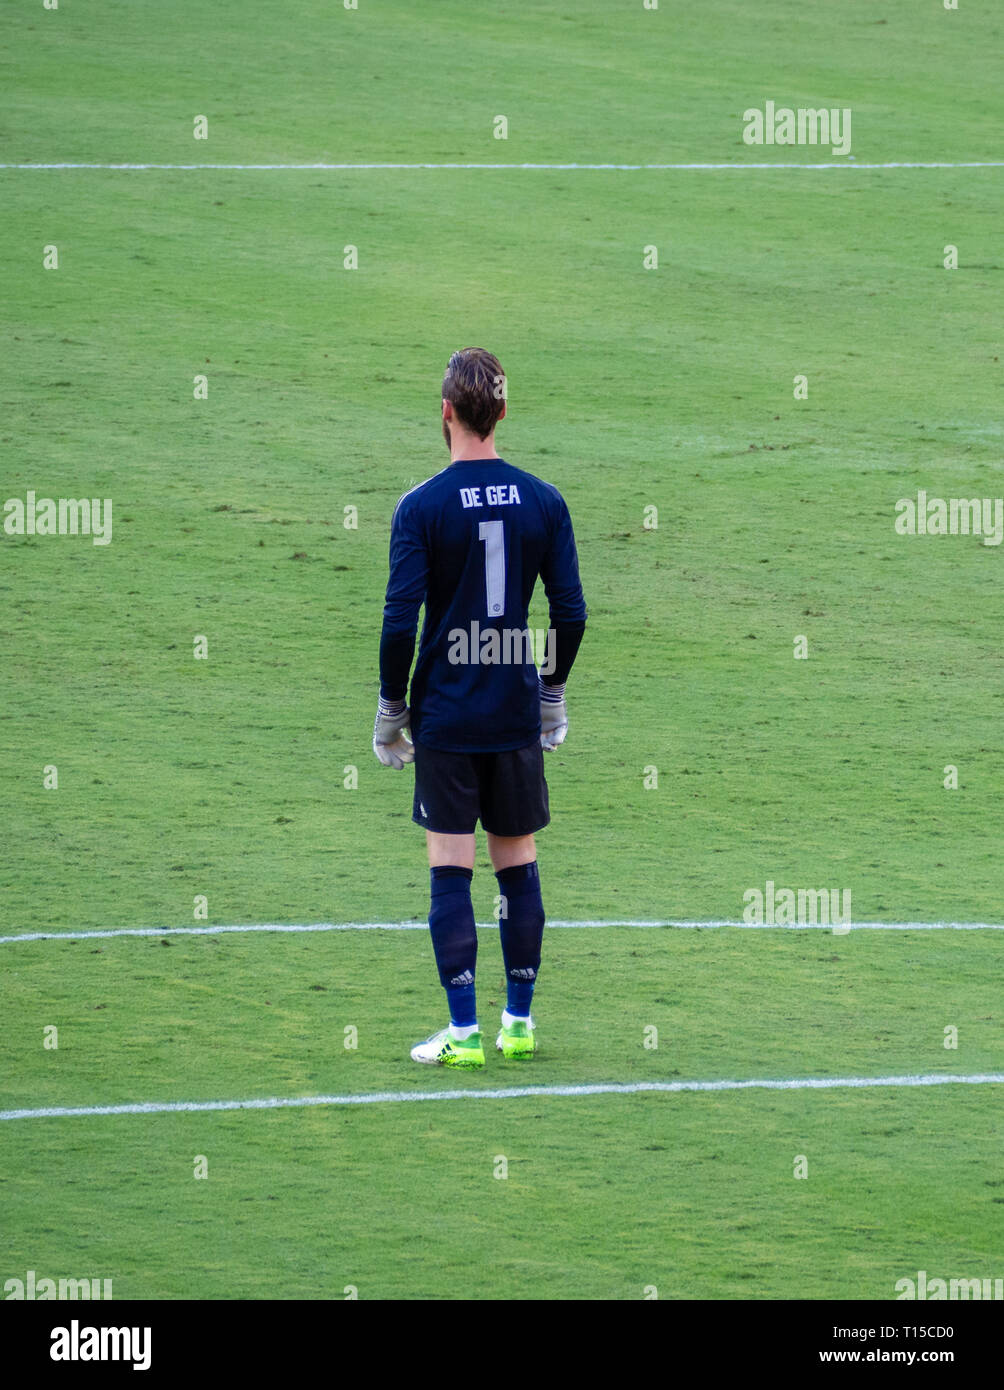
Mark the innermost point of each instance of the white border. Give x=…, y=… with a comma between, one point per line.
x=603, y=1088
x=838, y=930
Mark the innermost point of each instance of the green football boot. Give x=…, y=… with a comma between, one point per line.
x=444, y=1050
x=517, y=1039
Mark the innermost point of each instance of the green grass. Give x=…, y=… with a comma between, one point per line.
x=628, y=388
x=402, y=1200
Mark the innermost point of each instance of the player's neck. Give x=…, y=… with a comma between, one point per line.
x=466, y=447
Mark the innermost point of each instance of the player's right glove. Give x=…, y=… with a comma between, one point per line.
x=553, y=716
x=390, y=742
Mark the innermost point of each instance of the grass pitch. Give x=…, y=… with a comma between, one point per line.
x=247, y=778
x=694, y=1194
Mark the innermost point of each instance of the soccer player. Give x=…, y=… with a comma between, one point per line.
x=470, y=543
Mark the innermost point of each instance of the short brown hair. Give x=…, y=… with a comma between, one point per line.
x=474, y=385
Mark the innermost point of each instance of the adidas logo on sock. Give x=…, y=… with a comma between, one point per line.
x=528, y=974
x=465, y=979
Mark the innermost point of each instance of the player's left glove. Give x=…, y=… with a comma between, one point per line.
x=390, y=742
x=553, y=716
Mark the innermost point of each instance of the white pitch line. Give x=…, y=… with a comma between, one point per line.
x=602, y=1088
x=839, y=929
x=847, y=164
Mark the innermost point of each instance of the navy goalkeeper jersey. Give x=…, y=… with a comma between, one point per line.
x=470, y=543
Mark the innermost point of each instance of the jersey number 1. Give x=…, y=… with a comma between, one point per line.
x=492, y=534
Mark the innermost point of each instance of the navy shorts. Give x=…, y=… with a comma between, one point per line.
x=505, y=791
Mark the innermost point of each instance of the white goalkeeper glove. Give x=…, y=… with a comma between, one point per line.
x=553, y=716
x=390, y=742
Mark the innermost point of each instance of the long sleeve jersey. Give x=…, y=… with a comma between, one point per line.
x=470, y=544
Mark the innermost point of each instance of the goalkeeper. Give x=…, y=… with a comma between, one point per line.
x=470, y=544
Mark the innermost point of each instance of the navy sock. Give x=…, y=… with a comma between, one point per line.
x=455, y=939
x=521, y=926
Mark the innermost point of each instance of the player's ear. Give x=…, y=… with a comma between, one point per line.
x=447, y=409
x=502, y=412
